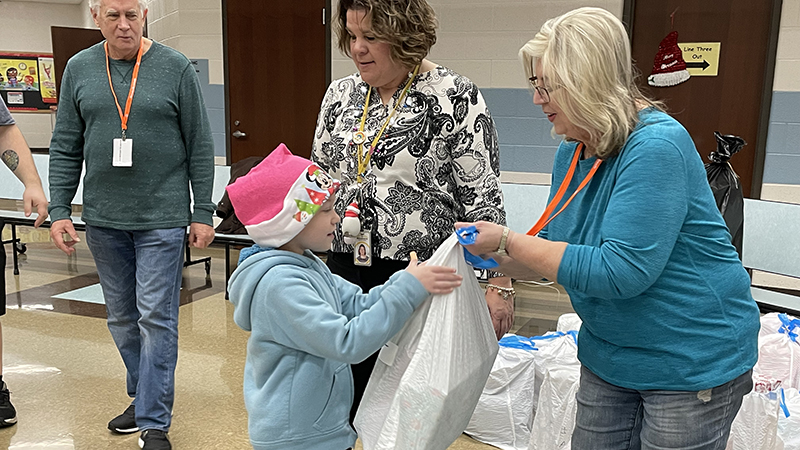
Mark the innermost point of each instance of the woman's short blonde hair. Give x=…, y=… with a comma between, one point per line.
x=409, y=26
x=586, y=65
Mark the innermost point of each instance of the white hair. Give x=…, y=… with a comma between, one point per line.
x=585, y=58
x=94, y=5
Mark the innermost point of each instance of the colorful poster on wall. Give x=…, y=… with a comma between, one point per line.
x=47, y=79
x=20, y=74
x=30, y=74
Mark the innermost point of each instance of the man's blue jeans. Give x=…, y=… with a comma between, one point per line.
x=140, y=272
x=611, y=417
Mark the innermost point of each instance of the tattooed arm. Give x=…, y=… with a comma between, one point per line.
x=16, y=156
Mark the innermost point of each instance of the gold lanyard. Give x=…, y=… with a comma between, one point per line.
x=359, y=137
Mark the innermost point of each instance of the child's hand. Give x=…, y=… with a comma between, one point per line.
x=435, y=279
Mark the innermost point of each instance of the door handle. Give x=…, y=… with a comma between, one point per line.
x=238, y=134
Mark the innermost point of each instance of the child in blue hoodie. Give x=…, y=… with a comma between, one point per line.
x=307, y=325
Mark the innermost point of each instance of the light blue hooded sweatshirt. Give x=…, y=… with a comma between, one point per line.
x=307, y=326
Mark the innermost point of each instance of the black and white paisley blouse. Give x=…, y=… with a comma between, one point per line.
x=436, y=163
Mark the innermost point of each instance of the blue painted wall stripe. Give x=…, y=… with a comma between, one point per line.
x=527, y=146
x=523, y=131
x=782, y=161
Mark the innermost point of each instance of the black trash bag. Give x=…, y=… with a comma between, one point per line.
x=230, y=223
x=726, y=186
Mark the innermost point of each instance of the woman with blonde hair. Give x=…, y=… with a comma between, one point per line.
x=669, y=333
x=414, y=146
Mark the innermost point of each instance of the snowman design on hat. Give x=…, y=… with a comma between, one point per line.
x=280, y=196
x=306, y=209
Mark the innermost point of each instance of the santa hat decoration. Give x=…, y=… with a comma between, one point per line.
x=351, y=226
x=278, y=197
x=669, y=68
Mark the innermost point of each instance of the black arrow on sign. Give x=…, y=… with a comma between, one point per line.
x=697, y=65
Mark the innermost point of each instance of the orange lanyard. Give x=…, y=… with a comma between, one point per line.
x=546, y=218
x=134, y=77
x=364, y=157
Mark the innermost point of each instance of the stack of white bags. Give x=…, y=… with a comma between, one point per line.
x=504, y=413
x=529, y=399
x=769, y=418
x=429, y=377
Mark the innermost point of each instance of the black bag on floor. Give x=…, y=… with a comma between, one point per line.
x=726, y=186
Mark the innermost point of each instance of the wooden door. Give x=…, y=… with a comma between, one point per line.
x=67, y=41
x=736, y=101
x=276, y=72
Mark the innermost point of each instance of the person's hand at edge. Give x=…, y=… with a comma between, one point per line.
x=57, y=231
x=488, y=240
x=200, y=235
x=436, y=279
x=34, y=197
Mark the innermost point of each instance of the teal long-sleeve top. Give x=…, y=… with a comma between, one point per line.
x=650, y=269
x=172, y=146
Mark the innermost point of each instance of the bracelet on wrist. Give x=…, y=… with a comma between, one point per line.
x=503, y=291
x=501, y=249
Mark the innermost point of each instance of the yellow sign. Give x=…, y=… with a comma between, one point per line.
x=702, y=58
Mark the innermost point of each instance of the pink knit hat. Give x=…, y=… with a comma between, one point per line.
x=279, y=196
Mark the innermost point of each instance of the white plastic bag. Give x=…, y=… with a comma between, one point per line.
x=779, y=358
x=554, y=419
x=789, y=427
x=504, y=414
x=424, y=396
x=569, y=322
x=563, y=353
x=778, y=323
x=756, y=425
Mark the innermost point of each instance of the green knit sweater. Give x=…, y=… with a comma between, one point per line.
x=172, y=145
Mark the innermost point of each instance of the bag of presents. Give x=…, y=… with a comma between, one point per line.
x=429, y=377
x=789, y=419
x=569, y=322
x=559, y=370
x=756, y=424
x=726, y=186
x=504, y=414
x=779, y=349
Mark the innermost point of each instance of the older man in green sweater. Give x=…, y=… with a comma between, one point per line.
x=131, y=110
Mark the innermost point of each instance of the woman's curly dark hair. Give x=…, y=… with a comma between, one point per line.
x=409, y=26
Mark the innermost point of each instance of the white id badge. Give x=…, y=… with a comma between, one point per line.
x=388, y=353
x=123, y=153
x=362, y=249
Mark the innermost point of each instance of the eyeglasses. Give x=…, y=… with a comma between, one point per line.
x=542, y=91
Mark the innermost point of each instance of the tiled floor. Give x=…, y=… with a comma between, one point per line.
x=67, y=379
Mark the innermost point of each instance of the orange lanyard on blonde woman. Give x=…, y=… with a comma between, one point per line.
x=359, y=137
x=546, y=217
x=134, y=78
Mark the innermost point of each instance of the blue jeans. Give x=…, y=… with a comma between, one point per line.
x=140, y=272
x=611, y=417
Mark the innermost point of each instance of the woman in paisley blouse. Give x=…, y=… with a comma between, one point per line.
x=414, y=146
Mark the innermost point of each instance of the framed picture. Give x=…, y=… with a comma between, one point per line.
x=27, y=81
